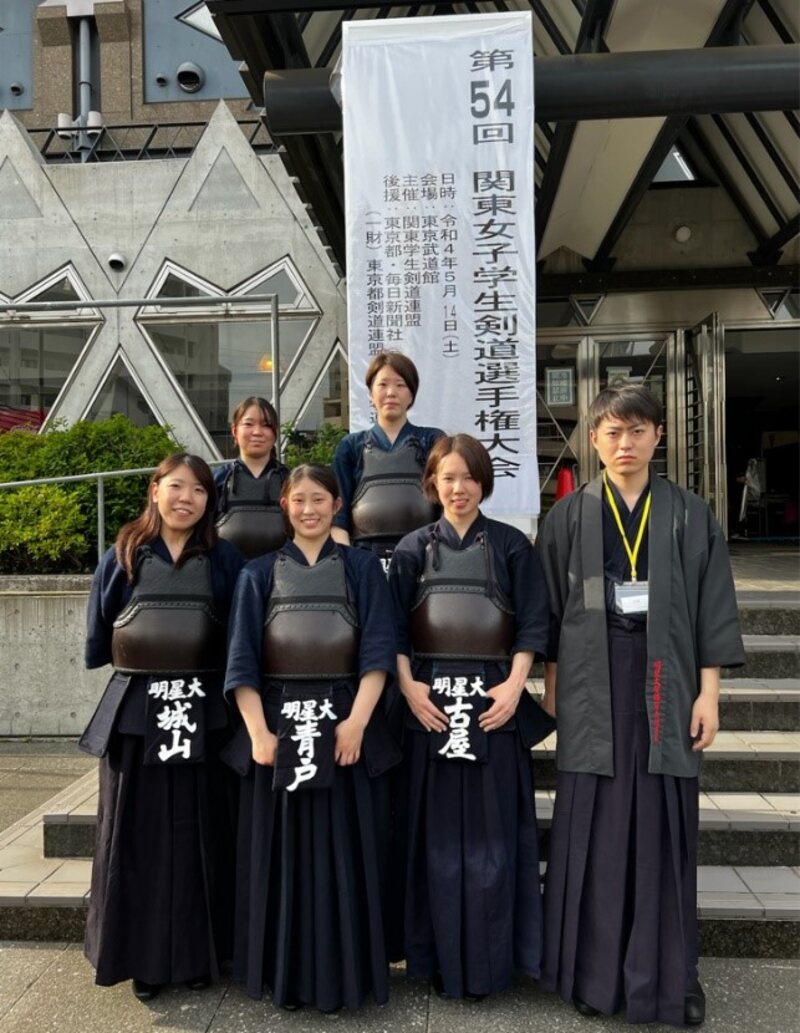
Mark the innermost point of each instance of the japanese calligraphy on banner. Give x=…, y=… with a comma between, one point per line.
x=438, y=146
x=174, y=721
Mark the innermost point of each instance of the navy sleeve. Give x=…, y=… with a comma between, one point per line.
x=377, y=649
x=109, y=594
x=221, y=475
x=519, y=573
x=226, y=564
x=246, y=624
x=346, y=460
x=406, y=565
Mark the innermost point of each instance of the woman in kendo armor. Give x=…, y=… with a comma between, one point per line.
x=311, y=646
x=471, y=611
x=249, y=488
x=380, y=470
x=161, y=898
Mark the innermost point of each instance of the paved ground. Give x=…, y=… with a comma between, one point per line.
x=49, y=987
x=31, y=771
x=762, y=566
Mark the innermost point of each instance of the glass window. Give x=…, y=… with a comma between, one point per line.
x=556, y=416
x=219, y=364
x=328, y=403
x=555, y=312
x=675, y=169
x=280, y=283
x=34, y=365
x=120, y=394
x=176, y=287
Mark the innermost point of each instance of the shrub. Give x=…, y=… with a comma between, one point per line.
x=113, y=444
x=311, y=446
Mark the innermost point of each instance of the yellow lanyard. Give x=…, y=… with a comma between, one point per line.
x=633, y=553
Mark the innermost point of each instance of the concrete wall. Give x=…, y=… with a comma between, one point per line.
x=45, y=687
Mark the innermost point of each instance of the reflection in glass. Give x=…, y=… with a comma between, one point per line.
x=120, y=394
x=556, y=415
x=329, y=401
x=34, y=365
x=219, y=364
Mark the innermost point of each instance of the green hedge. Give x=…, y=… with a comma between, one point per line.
x=53, y=528
x=311, y=446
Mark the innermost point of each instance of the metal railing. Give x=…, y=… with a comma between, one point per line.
x=138, y=141
x=101, y=476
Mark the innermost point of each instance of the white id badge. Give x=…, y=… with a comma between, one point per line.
x=631, y=597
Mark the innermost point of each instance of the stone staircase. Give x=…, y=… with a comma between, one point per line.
x=749, y=846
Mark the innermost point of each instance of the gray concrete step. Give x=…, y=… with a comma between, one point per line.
x=768, y=656
x=770, y=616
x=760, y=705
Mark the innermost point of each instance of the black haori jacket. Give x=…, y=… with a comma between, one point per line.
x=692, y=623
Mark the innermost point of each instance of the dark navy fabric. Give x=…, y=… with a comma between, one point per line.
x=222, y=475
x=620, y=898
x=311, y=866
x=365, y=581
x=161, y=895
x=517, y=569
x=348, y=463
x=466, y=897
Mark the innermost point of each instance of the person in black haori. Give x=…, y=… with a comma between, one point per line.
x=160, y=909
x=471, y=611
x=311, y=646
x=249, y=489
x=380, y=470
x=644, y=615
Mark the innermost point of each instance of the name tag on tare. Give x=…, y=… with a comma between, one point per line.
x=631, y=597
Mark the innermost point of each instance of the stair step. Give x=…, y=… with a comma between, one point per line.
x=768, y=656
x=779, y=615
x=768, y=704
x=743, y=761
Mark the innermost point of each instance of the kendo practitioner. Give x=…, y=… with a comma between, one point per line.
x=311, y=646
x=471, y=611
x=644, y=615
x=161, y=901
x=249, y=489
x=380, y=470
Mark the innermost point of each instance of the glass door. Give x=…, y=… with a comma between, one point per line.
x=706, y=467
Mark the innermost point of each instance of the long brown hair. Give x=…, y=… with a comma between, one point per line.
x=147, y=526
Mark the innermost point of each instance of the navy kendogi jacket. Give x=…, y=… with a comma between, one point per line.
x=692, y=623
x=369, y=592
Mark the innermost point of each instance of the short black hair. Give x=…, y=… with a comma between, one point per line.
x=631, y=403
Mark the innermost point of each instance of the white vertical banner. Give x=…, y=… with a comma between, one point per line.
x=441, y=262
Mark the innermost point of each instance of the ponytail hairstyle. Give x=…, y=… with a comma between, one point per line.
x=147, y=526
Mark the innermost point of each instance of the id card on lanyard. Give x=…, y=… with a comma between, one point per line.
x=630, y=597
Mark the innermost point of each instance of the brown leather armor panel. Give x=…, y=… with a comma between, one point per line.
x=169, y=625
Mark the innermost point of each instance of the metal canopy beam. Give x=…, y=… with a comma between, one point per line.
x=563, y=285
x=769, y=252
x=728, y=23
x=580, y=87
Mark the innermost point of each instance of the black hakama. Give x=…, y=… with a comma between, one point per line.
x=309, y=921
x=620, y=896
x=472, y=891
x=161, y=900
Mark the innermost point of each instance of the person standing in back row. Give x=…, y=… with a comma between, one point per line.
x=249, y=514
x=643, y=616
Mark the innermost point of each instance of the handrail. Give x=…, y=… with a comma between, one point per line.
x=100, y=476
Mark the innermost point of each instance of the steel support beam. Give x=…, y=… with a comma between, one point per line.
x=564, y=285
x=769, y=252
x=581, y=87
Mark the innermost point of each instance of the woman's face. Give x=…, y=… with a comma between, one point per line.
x=310, y=509
x=459, y=493
x=253, y=434
x=180, y=498
x=390, y=395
